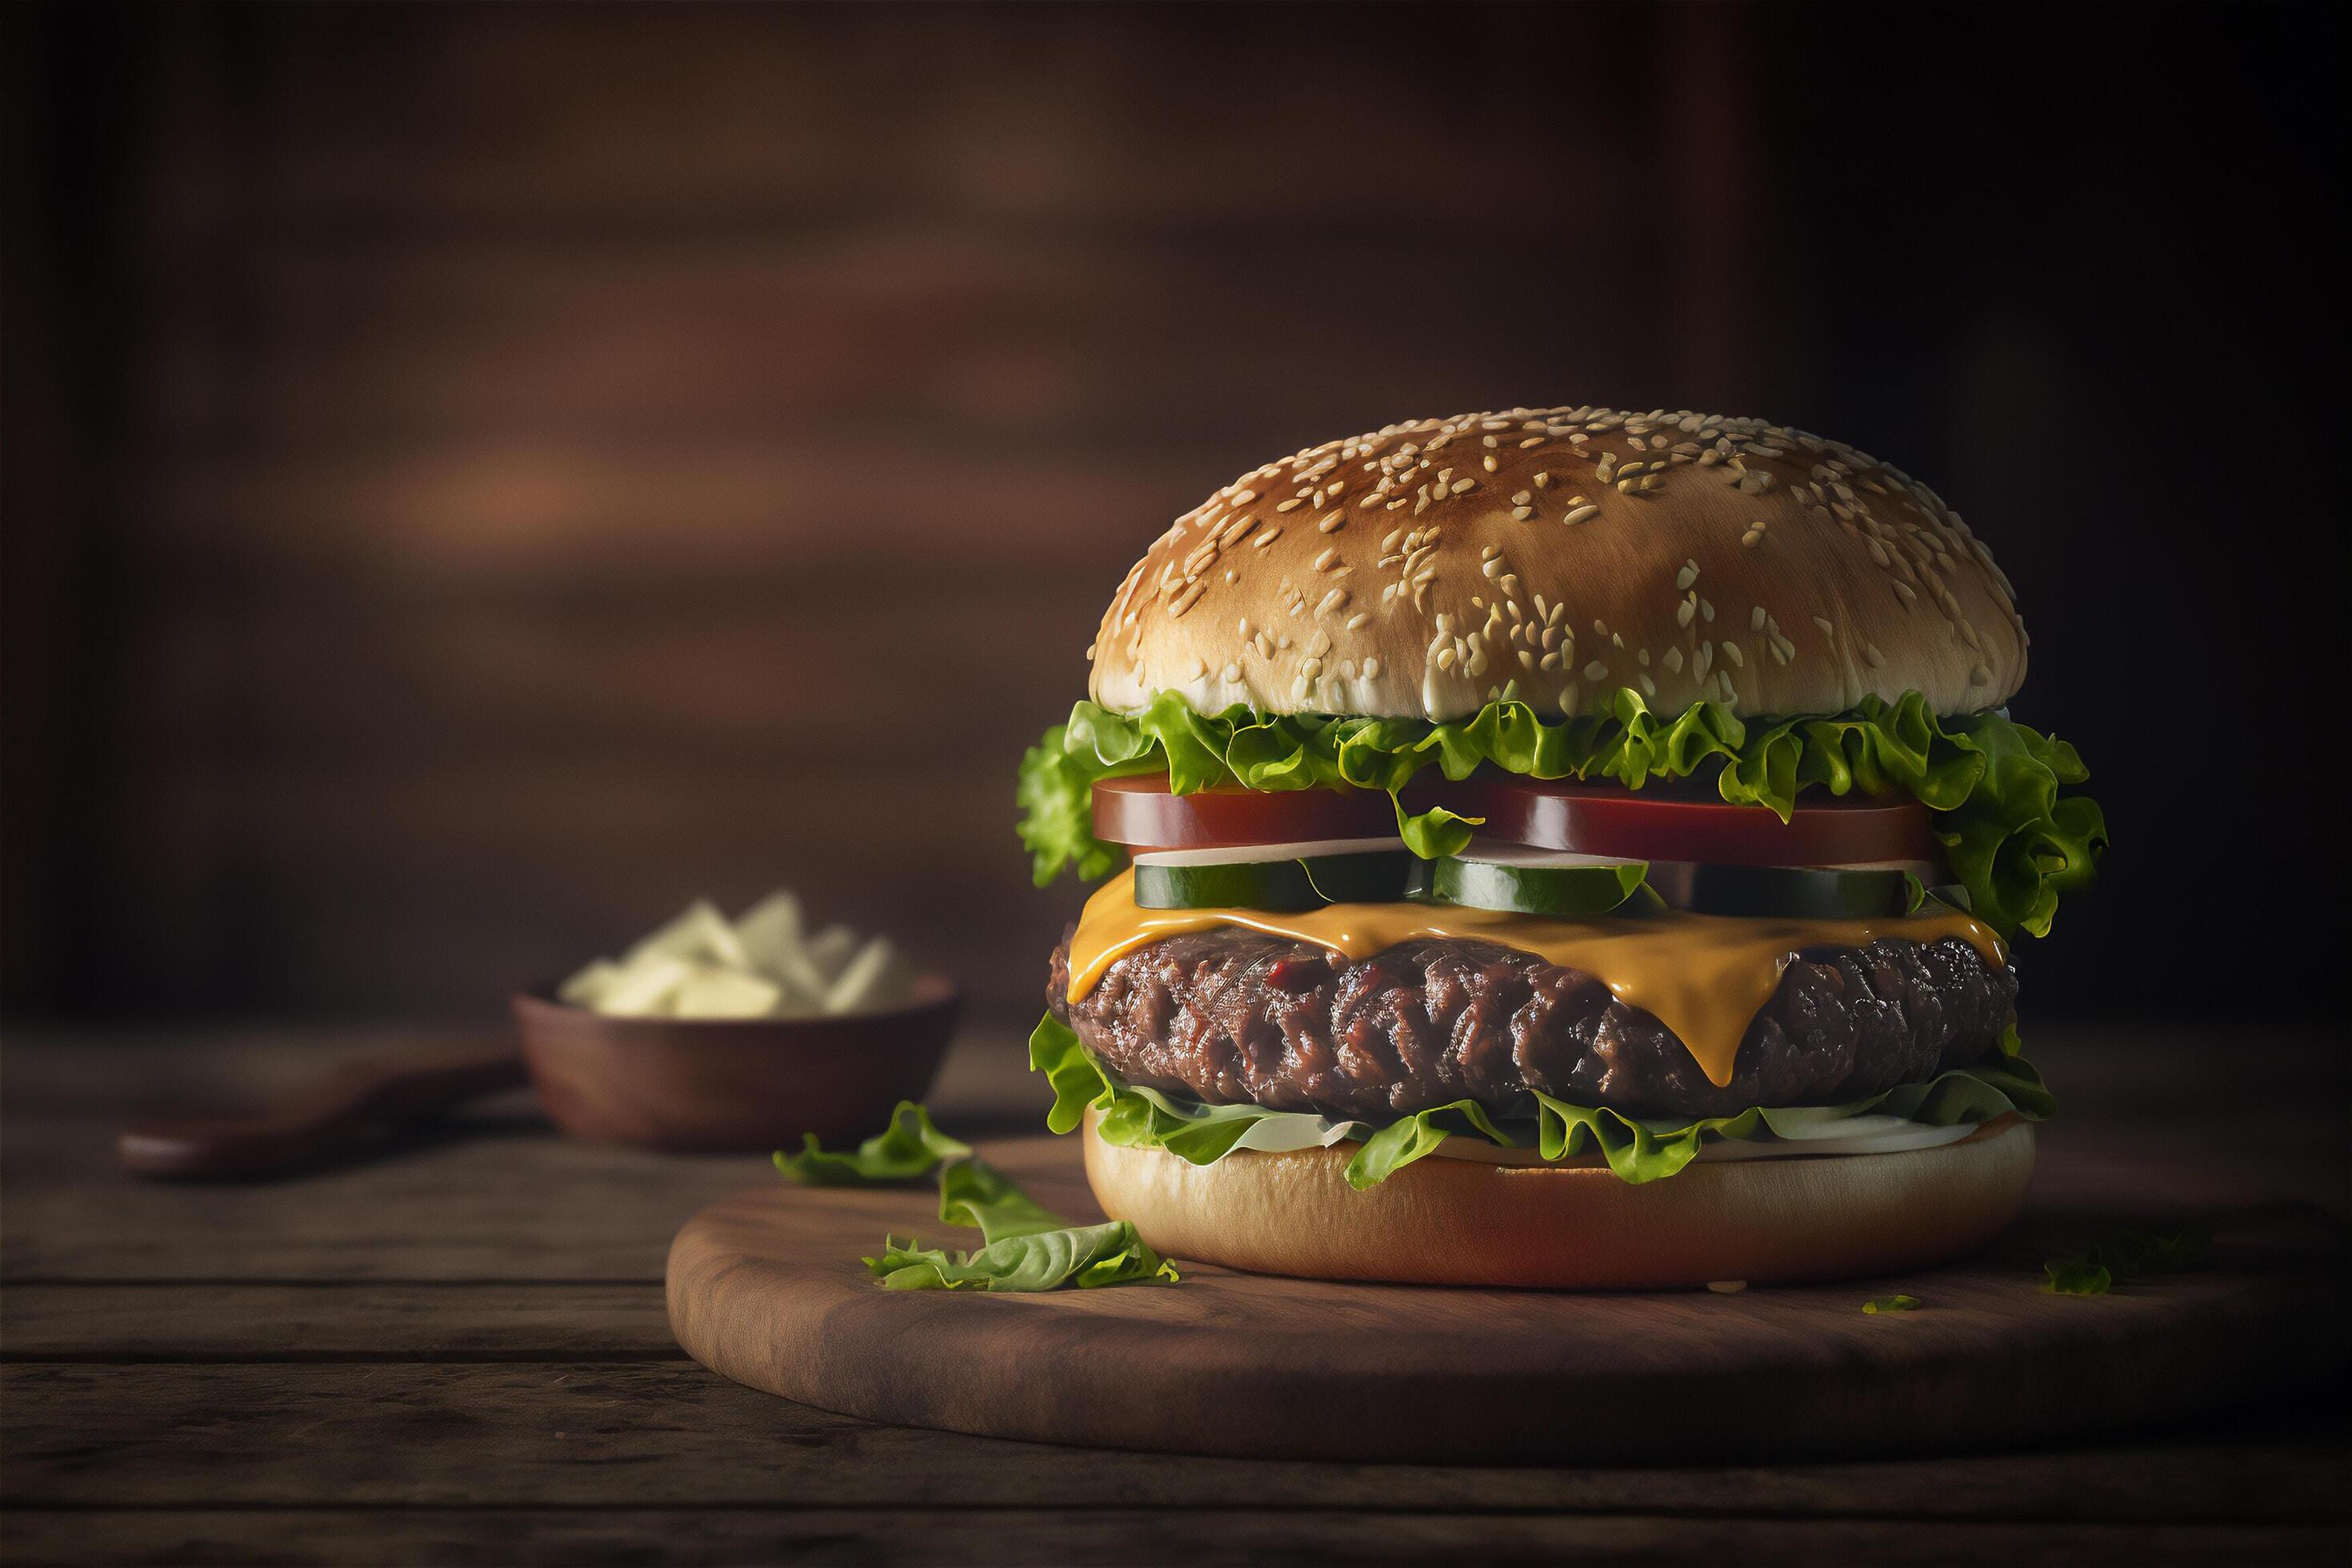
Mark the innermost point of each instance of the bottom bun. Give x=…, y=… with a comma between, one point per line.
x=1572, y=1227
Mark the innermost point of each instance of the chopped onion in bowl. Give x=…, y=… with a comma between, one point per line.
x=763, y=964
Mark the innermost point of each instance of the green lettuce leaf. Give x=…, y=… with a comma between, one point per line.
x=1087, y=1256
x=1643, y=1150
x=2121, y=1258
x=1402, y=1142
x=2014, y=842
x=1025, y=1246
x=910, y=1147
x=976, y=1194
x=1636, y=1148
x=1056, y=797
x=2074, y=1276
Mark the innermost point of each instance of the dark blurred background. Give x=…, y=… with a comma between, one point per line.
x=476, y=477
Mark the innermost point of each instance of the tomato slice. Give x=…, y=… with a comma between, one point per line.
x=1141, y=811
x=1604, y=819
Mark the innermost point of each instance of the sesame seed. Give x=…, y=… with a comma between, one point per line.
x=1579, y=513
x=1333, y=523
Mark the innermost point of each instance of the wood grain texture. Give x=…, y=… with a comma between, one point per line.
x=252, y=1325
x=1207, y=1536
x=463, y=1355
x=595, y=1434
x=764, y=1287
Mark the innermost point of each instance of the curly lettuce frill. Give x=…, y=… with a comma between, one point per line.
x=2013, y=841
x=1637, y=1148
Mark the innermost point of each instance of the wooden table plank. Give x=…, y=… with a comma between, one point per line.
x=501, y=1202
x=454, y=1321
x=588, y=1435
x=1209, y=1536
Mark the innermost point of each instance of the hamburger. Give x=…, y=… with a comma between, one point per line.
x=1561, y=848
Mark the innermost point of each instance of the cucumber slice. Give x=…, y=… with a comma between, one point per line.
x=1520, y=879
x=1313, y=850
x=1792, y=891
x=1278, y=886
x=1527, y=886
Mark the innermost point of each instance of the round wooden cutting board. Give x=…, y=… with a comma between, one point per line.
x=766, y=1287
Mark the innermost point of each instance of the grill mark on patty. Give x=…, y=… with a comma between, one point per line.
x=1229, y=1015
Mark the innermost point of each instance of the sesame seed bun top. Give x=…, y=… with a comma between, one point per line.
x=1419, y=569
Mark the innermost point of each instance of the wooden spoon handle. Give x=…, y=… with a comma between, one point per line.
x=325, y=1121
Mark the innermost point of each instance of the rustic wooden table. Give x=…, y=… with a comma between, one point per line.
x=458, y=1354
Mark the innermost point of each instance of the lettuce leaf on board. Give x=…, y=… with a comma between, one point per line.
x=976, y=1194
x=910, y=1147
x=1087, y=1256
x=1025, y=1246
x=2014, y=842
x=1636, y=1148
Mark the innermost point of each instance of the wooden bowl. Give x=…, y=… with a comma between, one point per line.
x=735, y=1085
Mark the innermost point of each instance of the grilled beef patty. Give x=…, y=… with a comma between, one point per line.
x=1230, y=1015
